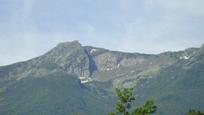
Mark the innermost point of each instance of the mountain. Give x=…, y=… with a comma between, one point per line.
x=74, y=78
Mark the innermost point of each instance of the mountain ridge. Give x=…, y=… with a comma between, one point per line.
x=97, y=71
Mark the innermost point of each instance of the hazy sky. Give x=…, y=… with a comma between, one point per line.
x=29, y=28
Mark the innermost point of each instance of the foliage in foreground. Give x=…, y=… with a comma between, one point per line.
x=194, y=112
x=126, y=98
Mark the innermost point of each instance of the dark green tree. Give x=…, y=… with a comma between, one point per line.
x=74, y=113
x=194, y=112
x=124, y=104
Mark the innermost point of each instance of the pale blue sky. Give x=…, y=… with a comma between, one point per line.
x=29, y=28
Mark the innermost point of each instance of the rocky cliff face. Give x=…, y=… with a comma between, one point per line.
x=71, y=57
x=94, y=63
x=82, y=61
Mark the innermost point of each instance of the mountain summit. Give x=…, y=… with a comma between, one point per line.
x=82, y=79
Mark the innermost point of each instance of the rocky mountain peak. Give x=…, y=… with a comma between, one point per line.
x=84, y=61
x=69, y=44
x=70, y=57
x=64, y=50
x=101, y=71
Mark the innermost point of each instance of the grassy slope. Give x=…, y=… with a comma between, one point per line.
x=59, y=94
x=176, y=89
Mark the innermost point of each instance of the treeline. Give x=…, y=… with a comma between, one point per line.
x=125, y=101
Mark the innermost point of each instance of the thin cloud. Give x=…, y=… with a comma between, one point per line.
x=186, y=6
x=29, y=45
x=33, y=27
x=27, y=7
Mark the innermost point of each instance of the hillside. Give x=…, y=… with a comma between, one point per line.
x=75, y=78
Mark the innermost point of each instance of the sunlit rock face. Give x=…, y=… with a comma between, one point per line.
x=84, y=61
